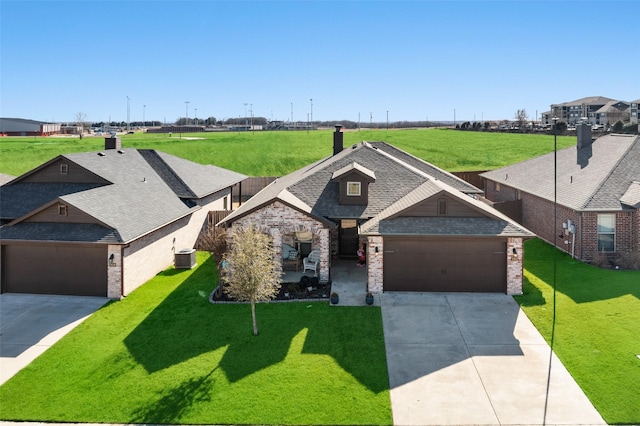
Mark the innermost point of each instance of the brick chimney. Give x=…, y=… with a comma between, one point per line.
x=583, y=130
x=338, y=140
x=112, y=143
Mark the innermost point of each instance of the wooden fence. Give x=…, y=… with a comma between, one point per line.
x=472, y=177
x=250, y=187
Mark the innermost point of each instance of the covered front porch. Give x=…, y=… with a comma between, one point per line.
x=347, y=279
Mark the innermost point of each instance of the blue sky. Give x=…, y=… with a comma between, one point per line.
x=417, y=59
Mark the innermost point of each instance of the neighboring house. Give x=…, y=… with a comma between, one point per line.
x=597, y=191
x=103, y=223
x=24, y=127
x=423, y=228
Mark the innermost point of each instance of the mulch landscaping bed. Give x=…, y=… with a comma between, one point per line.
x=308, y=288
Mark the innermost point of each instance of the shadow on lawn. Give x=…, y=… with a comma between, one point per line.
x=174, y=402
x=185, y=325
x=579, y=281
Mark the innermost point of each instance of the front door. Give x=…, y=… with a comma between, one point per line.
x=348, y=238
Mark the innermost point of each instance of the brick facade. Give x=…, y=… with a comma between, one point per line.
x=515, y=261
x=139, y=261
x=281, y=222
x=538, y=216
x=375, y=263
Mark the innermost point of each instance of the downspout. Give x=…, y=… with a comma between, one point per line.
x=581, y=238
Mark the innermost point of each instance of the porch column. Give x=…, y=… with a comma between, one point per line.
x=375, y=262
x=276, y=235
x=325, y=254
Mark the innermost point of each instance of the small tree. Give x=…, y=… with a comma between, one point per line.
x=214, y=240
x=249, y=273
x=618, y=126
x=521, y=118
x=80, y=123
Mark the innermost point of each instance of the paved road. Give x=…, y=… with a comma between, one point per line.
x=462, y=358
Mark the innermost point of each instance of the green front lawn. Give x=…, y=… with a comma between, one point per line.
x=166, y=355
x=597, y=328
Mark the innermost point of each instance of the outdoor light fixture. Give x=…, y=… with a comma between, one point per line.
x=377, y=250
x=514, y=254
x=112, y=261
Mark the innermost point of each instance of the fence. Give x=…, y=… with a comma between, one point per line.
x=512, y=209
x=472, y=177
x=250, y=187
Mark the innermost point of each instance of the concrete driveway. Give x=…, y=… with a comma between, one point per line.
x=462, y=358
x=31, y=323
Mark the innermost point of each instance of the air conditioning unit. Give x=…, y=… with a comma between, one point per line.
x=185, y=259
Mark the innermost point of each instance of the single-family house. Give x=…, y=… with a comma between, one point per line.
x=103, y=223
x=423, y=229
x=597, y=188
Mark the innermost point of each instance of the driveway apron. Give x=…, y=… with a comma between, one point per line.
x=31, y=323
x=469, y=358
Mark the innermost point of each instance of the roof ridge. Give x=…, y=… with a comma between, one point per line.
x=148, y=153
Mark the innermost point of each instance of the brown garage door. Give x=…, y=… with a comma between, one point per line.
x=414, y=264
x=55, y=269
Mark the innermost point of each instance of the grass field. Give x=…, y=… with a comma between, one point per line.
x=165, y=355
x=597, y=328
x=279, y=153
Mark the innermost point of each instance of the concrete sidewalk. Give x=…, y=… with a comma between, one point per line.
x=462, y=358
x=31, y=323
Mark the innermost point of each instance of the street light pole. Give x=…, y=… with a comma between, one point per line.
x=186, y=120
x=311, y=100
x=128, y=112
x=144, y=122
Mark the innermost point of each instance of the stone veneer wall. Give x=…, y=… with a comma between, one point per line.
x=278, y=219
x=375, y=262
x=514, y=265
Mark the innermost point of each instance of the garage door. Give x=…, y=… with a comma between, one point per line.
x=476, y=265
x=55, y=269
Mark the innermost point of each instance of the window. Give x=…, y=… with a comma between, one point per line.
x=606, y=232
x=224, y=201
x=442, y=206
x=64, y=169
x=62, y=210
x=353, y=189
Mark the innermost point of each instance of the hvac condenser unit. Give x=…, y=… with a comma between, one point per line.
x=185, y=259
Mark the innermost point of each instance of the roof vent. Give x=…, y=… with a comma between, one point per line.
x=120, y=151
x=101, y=154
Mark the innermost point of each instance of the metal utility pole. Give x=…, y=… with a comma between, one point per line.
x=128, y=114
x=311, y=100
x=186, y=120
x=144, y=122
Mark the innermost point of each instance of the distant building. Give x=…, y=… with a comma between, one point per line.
x=634, y=115
x=24, y=127
x=597, y=110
